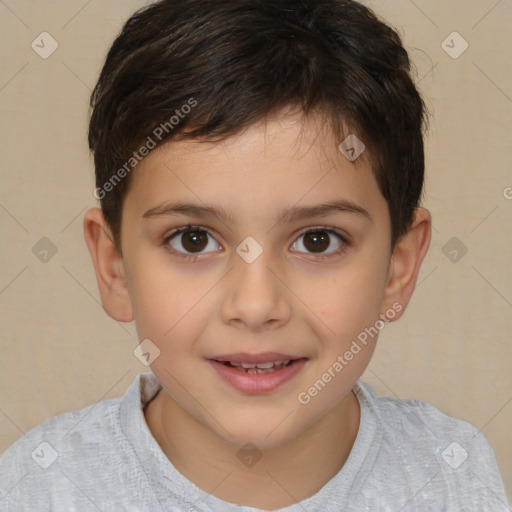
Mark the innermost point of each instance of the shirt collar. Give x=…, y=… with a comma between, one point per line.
x=170, y=486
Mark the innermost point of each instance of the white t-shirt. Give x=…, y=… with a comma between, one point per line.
x=407, y=457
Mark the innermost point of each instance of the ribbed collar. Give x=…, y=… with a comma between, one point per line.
x=171, y=488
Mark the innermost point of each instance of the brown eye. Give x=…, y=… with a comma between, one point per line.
x=318, y=241
x=192, y=241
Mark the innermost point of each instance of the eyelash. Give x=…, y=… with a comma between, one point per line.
x=189, y=227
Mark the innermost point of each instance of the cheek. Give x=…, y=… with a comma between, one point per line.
x=347, y=300
x=344, y=309
x=165, y=301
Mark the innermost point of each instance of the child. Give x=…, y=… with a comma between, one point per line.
x=259, y=166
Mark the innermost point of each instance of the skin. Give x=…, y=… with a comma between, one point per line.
x=290, y=300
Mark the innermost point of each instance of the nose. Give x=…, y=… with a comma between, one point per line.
x=255, y=296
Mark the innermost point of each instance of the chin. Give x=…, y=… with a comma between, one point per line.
x=265, y=434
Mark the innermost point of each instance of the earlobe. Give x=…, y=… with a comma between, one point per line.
x=406, y=260
x=109, y=267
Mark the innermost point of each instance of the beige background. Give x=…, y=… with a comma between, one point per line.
x=60, y=351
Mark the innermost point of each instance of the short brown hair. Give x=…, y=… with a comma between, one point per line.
x=238, y=62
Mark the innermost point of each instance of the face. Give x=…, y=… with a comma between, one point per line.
x=254, y=268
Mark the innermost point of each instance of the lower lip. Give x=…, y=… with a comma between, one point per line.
x=257, y=383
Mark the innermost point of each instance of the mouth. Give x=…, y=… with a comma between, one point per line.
x=265, y=362
x=269, y=367
x=257, y=373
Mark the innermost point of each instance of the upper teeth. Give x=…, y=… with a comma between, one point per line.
x=262, y=366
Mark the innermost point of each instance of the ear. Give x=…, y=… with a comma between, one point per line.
x=109, y=267
x=405, y=264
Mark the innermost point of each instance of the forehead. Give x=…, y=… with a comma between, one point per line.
x=270, y=165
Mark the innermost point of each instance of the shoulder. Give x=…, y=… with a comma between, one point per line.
x=77, y=429
x=400, y=416
x=31, y=466
x=417, y=424
x=77, y=458
x=421, y=445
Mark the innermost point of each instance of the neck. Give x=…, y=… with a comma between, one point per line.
x=280, y=477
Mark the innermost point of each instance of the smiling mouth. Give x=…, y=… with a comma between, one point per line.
x=260, y=367
x=263, y=374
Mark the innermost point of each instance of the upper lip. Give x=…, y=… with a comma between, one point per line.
x=264, y=357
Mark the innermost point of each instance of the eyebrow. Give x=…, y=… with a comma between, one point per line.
x=288, y=215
